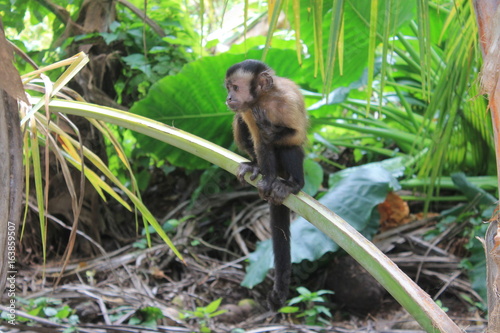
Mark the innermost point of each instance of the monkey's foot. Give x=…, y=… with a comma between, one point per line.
x=265, y=187
x=245, y=168
x=281, y=189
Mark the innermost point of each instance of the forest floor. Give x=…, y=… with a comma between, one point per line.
x=135, y=288
x=122, y=290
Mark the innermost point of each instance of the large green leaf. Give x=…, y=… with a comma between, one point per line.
x=353, y=198
x=356, y=36
x=194, y=101
x=471, y=191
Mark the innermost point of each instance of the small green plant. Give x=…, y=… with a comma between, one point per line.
x=49, y=308
x=204, y=315
x=441, y=305
x=147, y=317
x=312, y=310
x=474, y=305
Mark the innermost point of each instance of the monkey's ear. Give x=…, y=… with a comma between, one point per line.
x=265, y=81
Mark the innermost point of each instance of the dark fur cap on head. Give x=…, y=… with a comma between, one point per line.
x=252, y=66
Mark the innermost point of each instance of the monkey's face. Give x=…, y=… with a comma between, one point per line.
x=239, y=97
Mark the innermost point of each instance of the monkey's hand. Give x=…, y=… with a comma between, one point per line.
x=246, y=167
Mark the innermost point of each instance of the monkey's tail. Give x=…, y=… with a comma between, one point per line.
x=280, y=225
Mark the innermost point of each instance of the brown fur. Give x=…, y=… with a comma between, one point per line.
x=283, y=104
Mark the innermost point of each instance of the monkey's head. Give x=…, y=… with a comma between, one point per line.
x=246, y=82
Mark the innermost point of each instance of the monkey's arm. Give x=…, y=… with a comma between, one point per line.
x=244, y=141
x=270, y=133
x=260, y=150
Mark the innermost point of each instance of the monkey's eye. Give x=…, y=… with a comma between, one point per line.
x=235, y=88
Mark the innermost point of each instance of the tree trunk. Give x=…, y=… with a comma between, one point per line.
x=11, y=166
x=488, y=21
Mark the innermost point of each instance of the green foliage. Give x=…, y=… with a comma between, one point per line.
x=32, y=27
x=353, y=197
x=313, y=175
x=475, y=263
x=424, y=105
x=49, y=308
x=146, y=317
x=143, y=67
x=479, y=208
x=356, y=18
x=204, y=315
x=33, y=22
x=146, y=54
x=440, y=304
x=255, y=43
x=311, y=310
x=472, y=192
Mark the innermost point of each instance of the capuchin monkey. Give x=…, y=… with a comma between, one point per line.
x=270, y=125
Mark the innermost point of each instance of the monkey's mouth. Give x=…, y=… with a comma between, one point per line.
x=232, y=105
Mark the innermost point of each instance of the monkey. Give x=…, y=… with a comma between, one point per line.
x=270, y=125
